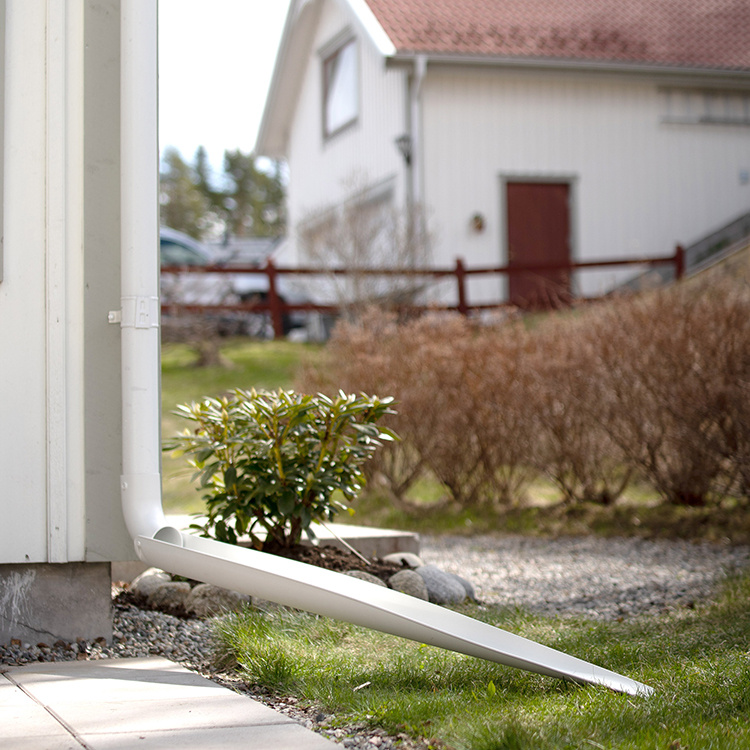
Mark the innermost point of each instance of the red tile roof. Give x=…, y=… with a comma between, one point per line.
x=685, y=33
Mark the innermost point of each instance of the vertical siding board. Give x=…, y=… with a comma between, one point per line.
x=23, y=455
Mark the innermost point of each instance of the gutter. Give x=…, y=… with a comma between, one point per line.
x=248, y=571
x=738, y=76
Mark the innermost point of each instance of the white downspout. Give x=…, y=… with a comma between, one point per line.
x=249, y=571
x=139, y=158
x=415, y=117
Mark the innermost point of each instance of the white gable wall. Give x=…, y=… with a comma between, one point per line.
x=325, y=170
x=639, y=185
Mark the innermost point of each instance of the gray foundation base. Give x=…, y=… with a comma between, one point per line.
x=41, y=603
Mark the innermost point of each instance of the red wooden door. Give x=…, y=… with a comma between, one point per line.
x=538, y=236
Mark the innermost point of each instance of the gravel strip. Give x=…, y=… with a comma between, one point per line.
x=604, y=579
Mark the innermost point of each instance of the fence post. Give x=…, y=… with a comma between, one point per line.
x=463, y=308
x=274, y=303
x=679, y=262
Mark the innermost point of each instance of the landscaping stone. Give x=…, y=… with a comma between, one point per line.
x=409, y=582
x=442, y=587
x=148, y=581
x=405, y=558
x=468, y=587
x=207, y=600
x=170, y=596
x=364, y=576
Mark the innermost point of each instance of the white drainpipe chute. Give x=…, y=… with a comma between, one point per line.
x=248, y=571
x=139, y=155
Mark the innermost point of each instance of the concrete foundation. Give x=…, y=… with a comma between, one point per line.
x=42, y=603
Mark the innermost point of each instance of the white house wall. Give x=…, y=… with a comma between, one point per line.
x=60, y=444
x=326, y=171
x=639, y=186
x=23, y=451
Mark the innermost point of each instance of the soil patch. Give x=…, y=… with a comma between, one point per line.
x=333, y=558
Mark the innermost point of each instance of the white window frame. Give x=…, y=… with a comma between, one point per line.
x=342, y=45
x=686, y=106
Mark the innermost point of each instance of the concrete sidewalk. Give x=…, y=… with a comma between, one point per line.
x=148, y=704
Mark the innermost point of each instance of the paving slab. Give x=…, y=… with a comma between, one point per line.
x=149, y=703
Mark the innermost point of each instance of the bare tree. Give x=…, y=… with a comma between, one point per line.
x=365, y=234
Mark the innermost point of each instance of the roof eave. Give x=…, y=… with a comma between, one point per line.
x=283, y=90
x=372, y=27
x=739, y=76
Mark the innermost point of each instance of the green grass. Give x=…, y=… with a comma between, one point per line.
x=637, y=514
x=698, y=661
x=253, y=364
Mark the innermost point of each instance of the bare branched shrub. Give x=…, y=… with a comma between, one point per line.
x=657, y=385
x=200, y=332
x=499, y=384
x=444, y=425
x=671, y=360
x=726, y=350
x=573, y=445
x=365, y=233
x=460, y=395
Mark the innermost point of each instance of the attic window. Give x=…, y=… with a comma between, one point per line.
x=693, y=107
x=340, y=89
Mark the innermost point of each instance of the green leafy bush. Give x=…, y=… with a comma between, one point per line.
x=274, y=462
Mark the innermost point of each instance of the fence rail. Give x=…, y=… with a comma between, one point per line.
x=277, y=307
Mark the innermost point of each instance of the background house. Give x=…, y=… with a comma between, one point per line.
x=529, y=132
x=60, y=374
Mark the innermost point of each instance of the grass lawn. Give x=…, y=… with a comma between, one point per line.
x=698, y=661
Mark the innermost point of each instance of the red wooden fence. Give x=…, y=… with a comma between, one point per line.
x=277, y=307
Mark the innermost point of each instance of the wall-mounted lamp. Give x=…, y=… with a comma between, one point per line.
x=477, y=222
x=403, y=143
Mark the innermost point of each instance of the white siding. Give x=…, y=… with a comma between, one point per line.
x=323, y=172
x=23, y=450
x=60, y=442
x=640, y=186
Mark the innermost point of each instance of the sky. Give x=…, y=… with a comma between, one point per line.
x=216, y=59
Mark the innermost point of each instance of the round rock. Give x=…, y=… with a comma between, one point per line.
x=206, y=600
x=468, y=587
x=442, y=587
x=409, y=582
x=404, y=558
x=170, y=596
x=148, y=581
x=365, y=576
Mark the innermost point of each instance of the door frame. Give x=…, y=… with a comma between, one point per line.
x=572, y=181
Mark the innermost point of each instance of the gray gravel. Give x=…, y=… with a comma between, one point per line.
x=597, y=578
x=603, y=579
